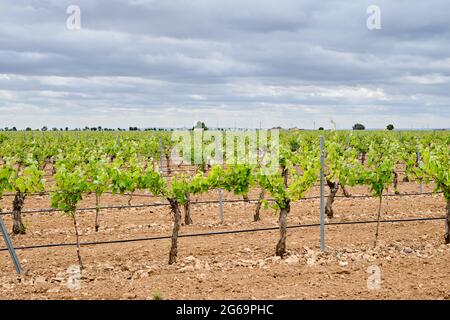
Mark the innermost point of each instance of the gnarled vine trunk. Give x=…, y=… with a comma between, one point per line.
x=281, y=245
x=18, y=226
x=187, y=211
x=97, y=212
x=284, y=174
x=53, y=167
x=395, y=183
x=334, y=188
x=256, y=216
x=378, y=220
x=345, y=191
x=175, y=207
x=74, y=218
x=245, y=197
x=363, y=158
x=169, y=169
x=447, y=224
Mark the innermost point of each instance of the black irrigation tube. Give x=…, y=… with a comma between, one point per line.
x=208, y=202
x=46, y=193
x=166, y=176
x=191, y=235
x=393, y=195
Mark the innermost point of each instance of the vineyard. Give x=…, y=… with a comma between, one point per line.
x=134, y=213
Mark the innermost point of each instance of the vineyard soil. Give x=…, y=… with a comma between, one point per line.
x=412, y=256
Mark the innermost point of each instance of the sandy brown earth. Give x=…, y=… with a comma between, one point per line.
x=412, y=257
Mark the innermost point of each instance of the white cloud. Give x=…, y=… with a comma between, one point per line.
x=428, y=79
x=170, y=63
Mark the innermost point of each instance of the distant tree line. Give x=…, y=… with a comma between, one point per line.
x=99, y=128
x=198, y=125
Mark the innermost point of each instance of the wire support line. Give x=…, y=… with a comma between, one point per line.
x=160, y=204
x=191, y=235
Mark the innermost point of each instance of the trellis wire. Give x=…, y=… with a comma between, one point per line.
x=159, y=204
x=51, y=245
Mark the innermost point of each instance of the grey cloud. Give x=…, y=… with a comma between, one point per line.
x=164, y=63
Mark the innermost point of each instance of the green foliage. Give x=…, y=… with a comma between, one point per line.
x=382, y=159
x=115, y=161
x=152, y=181
x=30, y=179
x=303, y=167
x=342, y=164
x=6, y=177
x=125, y=177
x=70, y=187
x=436, y=165
x=157, y=296
x=237, y=179
x=98, y=176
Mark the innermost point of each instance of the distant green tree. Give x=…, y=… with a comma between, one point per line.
x=390, y=127
x=200, y=125
x=359, y=126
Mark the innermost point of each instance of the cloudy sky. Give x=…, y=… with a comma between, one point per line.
x=229, y=63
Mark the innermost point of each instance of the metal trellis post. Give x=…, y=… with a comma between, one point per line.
x=10, y=246
x=161, y=163
x=221, y=216
x=322, y=200
x=419, y=159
